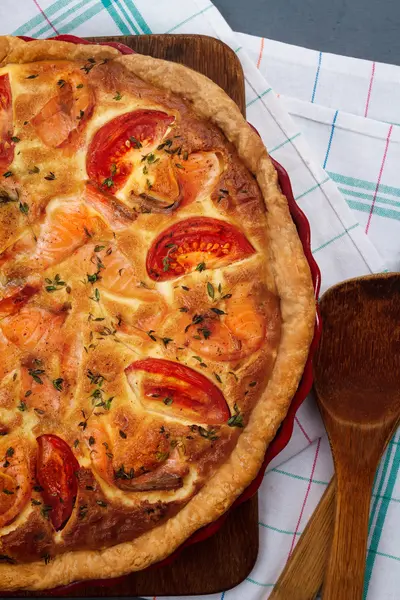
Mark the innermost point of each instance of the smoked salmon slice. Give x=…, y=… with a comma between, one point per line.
x=42, y=397
x=15, y=479
x=64, y=115
x=197, y=176
x=67, y=226
x=33, y=329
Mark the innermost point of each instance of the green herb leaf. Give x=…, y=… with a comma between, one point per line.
x=124, y=474
x=122, y=434
x=92, y=278
x=61, y=83
x=22, y=406
x=7, y=174
x=165, y=262
x=236, y=421
x=32, y=76
x=50, y=176
x=162, y=456
x=168, y=401
x=117, y=96
x=217, y=377
x=96, y=297
x=218, y=311
x=35, y=374
x=205, y=331
x=15, y=139
x=45, y=510
x=209, y=434
x=200, y=267
x=210, y=290
x=151, y=336
x=166, y=341
x=135, y=142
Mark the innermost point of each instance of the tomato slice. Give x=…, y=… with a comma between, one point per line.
x=6, y=143
x=109, y=158
x=197, y=242
x=179, y=389
x=55, y=471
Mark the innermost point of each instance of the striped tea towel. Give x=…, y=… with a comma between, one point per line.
x=312, y=122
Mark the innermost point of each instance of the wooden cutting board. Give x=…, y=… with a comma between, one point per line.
x=225, y=559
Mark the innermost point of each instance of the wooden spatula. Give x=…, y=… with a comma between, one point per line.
x=357, y=381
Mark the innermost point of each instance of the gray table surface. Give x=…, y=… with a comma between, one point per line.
x=363, y=28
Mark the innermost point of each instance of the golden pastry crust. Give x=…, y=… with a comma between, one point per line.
x=290, y=279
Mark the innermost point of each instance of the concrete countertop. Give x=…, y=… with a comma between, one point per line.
x=362, y=28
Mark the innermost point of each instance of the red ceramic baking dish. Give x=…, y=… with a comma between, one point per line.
x=285, y=431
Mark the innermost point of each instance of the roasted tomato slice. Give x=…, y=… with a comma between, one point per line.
x=109, y=158
x=55, y=471
x=180, y=390
x=195, y=243
x=6, y=143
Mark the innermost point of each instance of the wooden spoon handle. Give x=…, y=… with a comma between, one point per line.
x=303, y=574
x=344, y=578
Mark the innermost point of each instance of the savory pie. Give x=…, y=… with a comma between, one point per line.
x=156, y=309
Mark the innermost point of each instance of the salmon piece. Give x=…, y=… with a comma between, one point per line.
x=197, y=176
x=118, y=275
x=9, y=356
x=33, y=329
x=25, y=244
x=15, y=298
x=237, y=333
x=15, y=479
x=42, y=397
x=164, y=184
x=67, y=226
x=101, y=455
x=115, y=213
x=71, y=357
x=168, y=476
x=60, y=121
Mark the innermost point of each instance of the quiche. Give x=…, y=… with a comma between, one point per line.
x=156, y=309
